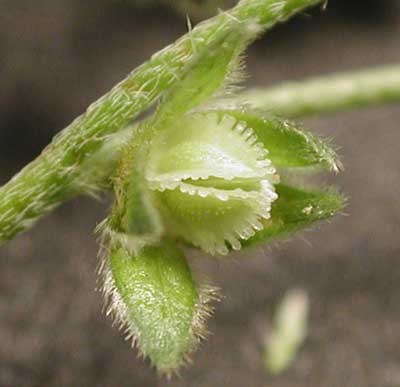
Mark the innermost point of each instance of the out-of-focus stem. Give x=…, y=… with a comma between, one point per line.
x=330, y=93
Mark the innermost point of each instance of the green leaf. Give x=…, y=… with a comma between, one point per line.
x=296, y=209
x=287, y=144
x=154, y=296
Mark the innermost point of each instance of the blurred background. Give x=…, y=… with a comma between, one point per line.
x=56, y=57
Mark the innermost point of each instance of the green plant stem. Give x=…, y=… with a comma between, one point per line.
x=56, y=175
x=329, y=94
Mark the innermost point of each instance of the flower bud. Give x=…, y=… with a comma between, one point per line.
x=214, y=181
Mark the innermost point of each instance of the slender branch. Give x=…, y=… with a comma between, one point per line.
x=329, y=94
x=56, y=174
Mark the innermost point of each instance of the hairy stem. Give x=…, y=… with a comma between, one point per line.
x=55, y=175
x=329, y=94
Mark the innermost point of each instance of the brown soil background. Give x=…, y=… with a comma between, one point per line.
x=55, y=58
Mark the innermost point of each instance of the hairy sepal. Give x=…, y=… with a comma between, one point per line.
x=297, y=209
x=134, y=217
x=289, y=145
x=155, y=299
x=213, y=70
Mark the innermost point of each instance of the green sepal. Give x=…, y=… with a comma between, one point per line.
x=154, y=296
x=288, y=145
x=141, y=216
x=135, y=217
x=297, y=209
x=213, y=68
